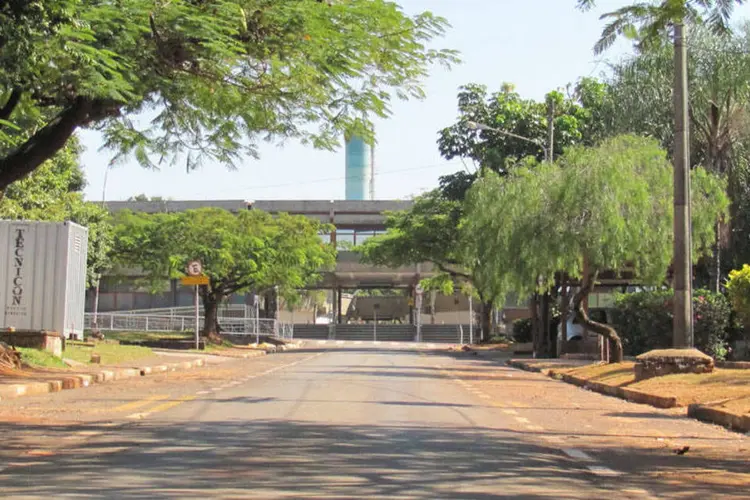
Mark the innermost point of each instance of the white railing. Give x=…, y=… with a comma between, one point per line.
x=167, y=323
x=224, y=311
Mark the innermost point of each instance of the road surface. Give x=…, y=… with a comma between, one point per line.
x=368, y=421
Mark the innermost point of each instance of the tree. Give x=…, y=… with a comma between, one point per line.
x=219, y=75
x=54, y=193
x=248, y=251
x=655, y=20
x=608, y=207
x=718, y=106
x=505, y=110
x=429, y=232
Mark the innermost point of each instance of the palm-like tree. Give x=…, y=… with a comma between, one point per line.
x=648, y=23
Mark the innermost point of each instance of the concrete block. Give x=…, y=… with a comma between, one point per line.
x=719, y=417
x=662, y=362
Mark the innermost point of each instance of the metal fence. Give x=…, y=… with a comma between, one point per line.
x=224, y=311
x=183, y=323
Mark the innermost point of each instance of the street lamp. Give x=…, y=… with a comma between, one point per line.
x=482, y=126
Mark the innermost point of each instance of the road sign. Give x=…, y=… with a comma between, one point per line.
x=194, y=280
x=194, y=268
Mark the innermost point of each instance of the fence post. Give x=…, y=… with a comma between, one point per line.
x=111, y=321
x=146, y=324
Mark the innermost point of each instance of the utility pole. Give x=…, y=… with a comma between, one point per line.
x=682, y=335
x=550, y=130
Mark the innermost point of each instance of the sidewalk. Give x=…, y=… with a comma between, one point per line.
x=28, y=382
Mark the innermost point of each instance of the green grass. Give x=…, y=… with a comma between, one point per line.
x=211, y=347
x=111, y=353
x=146, y=336
x=36, y=358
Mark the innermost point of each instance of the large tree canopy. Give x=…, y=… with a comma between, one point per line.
x=248, y=251
x=640, y=99
x=507, y=111
x=214, y=77
x=430, y=232
x=609, y=207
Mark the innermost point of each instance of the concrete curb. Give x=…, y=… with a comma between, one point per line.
x=528, y=368
x=733, y=365
x=77, y=381
x=608, y=390
x=619, y=392
x=719, y=417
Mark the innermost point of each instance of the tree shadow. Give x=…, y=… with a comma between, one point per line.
x=299, y=459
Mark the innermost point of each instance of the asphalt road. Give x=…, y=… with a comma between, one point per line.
x=359, y=421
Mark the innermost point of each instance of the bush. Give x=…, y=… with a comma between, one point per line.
x=738, y=288
x=522, y=330
x=644, y=321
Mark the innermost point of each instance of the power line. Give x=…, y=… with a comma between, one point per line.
x=344, y=178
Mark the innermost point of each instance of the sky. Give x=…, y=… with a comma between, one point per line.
x=538, y=45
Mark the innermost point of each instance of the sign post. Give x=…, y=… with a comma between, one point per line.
x=196, y=278
x=197, y=320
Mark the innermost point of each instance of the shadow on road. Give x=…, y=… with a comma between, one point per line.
x=297, y=459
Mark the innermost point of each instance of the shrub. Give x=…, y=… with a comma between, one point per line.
x=644, y=321
x=738, y=288
x=522, y=330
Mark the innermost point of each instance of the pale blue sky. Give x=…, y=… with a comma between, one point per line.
x=538, y=45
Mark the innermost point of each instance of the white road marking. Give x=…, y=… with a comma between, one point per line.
x=357, y=342
x=395, y=343
x=484, y=396
x=339, y=342
x=578, y=454
x=600, y=470
x=522, y=420
x=536, y=428
x=322, y=341
x=200, y=393
x=137, y=416
x=509, y=412
x=555, y=439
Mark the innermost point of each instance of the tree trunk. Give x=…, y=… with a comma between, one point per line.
x=716, y=285
x=545, y=330
x=564, y=312
x=486, y=321
x=211, y=302
x=582, y=318
x=51, y=138
x=534, y=311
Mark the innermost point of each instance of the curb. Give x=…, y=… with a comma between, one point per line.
x=719, y=417
x=619, y=392
x=608, y=390
x=733, y=365
x=527, y=368
x=77, y=381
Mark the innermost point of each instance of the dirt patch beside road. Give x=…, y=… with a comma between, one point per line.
x=728, y=389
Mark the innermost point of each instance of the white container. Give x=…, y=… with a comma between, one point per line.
x=43, y=276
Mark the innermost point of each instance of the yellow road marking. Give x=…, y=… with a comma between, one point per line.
x=171, y=404
x=137, y=404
